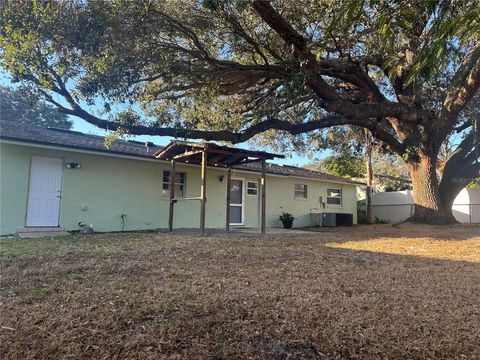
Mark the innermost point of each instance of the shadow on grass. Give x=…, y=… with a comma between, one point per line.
x=433, y=232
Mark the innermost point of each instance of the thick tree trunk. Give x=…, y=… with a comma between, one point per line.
x=429, y=208
x=368, y=163
x=456, y=176
x=449, y=189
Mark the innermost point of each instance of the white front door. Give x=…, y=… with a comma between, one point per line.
x=44, y=191
x=236, y=202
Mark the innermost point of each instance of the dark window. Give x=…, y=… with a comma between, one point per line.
x=334, y=197
x=300, y=191
x=179, y=184
x=252, y=188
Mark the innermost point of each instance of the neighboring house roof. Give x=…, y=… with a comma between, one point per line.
x=14, y=131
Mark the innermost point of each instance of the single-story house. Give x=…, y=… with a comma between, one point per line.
x=67, y=179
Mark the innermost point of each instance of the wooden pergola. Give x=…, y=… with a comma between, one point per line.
x=208, y=154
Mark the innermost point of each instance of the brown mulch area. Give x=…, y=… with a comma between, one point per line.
x=410, y=292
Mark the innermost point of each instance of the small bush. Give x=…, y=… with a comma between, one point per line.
x=287, y=220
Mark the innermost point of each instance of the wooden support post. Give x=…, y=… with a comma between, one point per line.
x=203, y=192
x=172, y=195
x=229, y=181
x=263, y=186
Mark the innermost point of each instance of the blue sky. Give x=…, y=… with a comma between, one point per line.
x=83, y=126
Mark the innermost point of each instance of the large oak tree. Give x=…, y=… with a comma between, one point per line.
x=230, y=70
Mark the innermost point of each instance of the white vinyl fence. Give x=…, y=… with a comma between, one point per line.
x=396, y=206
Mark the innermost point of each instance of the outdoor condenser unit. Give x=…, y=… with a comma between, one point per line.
x=329, y=219
x=337, y=219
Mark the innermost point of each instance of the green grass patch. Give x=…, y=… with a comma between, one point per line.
x=36, y=295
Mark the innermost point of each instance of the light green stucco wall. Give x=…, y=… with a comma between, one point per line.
x=14, y=176
x=280, y=195
x=105, y=187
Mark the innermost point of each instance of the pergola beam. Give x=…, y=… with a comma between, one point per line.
x=187, y=154
x=216, y=158
x=233, y=159
x=248, y=161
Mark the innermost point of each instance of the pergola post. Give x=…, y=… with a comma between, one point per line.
x=263, y=186
x=227, y=217
x=172, y=195
x=203, y=192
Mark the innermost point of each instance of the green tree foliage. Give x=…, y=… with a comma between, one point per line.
x=390, y=174
x=18, y=106
x=229, y=70
x=344, y=164
x=475, y=184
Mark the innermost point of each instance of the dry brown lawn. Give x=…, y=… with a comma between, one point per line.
x=379, y=292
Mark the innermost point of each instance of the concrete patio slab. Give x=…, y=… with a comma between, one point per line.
x=246, y=232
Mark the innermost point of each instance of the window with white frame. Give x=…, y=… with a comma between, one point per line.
x=252, y=188
x=300, y=191
x=334, y=196
x=179, y=184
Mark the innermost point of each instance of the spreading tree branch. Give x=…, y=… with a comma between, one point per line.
x=236, y=137
x=463, y=87
x=329, y=99
x=221, y=135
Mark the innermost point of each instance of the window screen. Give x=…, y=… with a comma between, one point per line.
x=252, y=188
x=301, y=191
x=334, y=196
x=179, y=184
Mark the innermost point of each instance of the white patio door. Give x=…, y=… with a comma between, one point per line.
x=44, y=192
x=236, y=202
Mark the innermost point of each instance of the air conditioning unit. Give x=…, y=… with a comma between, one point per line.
x=337, y=219
x=329, y=219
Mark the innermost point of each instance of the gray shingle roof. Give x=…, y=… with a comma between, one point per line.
x=73, y=139
x=287, y=170
x=10, y=130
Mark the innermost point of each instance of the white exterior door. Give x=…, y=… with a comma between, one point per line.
x=236, y=202
x=44, y=192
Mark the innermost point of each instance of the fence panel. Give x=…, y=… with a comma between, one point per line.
x=392, y=212
x=465, y=213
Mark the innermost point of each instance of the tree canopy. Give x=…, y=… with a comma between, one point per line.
x=232, y=69
x=17, y=106
x=344, y=164
x=389, y=172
